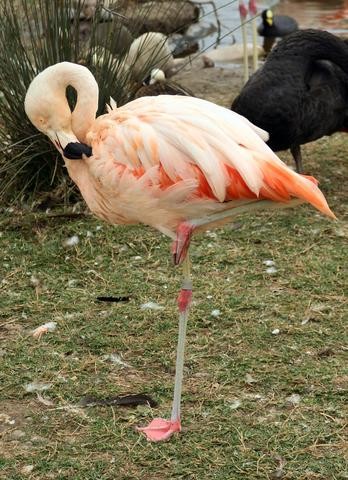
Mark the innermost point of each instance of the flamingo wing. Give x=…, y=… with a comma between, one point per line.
x=185, y=139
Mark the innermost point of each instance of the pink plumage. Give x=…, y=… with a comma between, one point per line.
x=179, y=164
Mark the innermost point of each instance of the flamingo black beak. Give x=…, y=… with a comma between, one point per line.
x=68, y=145
x=75, y=150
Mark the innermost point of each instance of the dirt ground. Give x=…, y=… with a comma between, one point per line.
x=216, y=84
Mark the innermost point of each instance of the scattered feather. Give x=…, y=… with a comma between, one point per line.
x=35, y=281
x=43, y=329
x=234, y=404
x=254, y=396
x=73, y=409
x=268, y=263
x=305, y=321
x=117, y=360
x=122, y=401
x=215, y=313
x=249, y=379
x=45, y=401
x=319, y=307
x=27, y=469
x=340, y=232
x=271, y=270
x=114, y=299
x=37, y=387
x=276, y=331
x=293, y=399
x=71, y=241
x=151, y=306
x=6, y=419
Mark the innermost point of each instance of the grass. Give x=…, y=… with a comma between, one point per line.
x=238, y=420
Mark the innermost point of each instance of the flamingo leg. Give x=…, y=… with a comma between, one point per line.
x=186, y=229
x=160, y=429
x=243, y=12
x=253, y=13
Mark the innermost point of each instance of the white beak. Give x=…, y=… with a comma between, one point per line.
x=61, y=139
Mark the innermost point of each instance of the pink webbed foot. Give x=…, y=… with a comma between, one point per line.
x=160, y=429
x=182, y=242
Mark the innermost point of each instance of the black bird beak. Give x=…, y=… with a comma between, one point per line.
x=75, y=150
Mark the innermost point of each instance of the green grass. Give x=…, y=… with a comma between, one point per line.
x=265, y=437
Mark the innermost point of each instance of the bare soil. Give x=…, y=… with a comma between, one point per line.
x=216, y=84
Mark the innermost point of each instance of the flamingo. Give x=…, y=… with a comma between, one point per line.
x=243, y=13
x=177, y=163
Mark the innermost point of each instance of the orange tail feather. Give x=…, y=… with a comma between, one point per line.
x=285, y=183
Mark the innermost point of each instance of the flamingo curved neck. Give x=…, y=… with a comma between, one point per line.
x=83, y=114
x=86, y=107
x=81, y=79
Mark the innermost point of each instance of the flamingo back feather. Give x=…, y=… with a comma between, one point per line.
x=204, y=153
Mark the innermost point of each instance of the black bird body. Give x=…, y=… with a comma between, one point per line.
x=275, y=26
x=282, y=25
x=301, y=92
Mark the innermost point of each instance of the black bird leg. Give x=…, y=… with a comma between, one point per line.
x=296, y=153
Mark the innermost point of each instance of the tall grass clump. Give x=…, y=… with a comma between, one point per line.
x=33, y=36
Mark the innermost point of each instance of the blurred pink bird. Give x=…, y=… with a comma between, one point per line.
x=179, y=164
x=244, y=11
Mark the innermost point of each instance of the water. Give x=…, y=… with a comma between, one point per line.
x=329, y=15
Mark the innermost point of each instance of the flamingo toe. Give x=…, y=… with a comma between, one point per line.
x=160, y=429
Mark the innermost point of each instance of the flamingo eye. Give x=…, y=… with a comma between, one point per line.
x=42, y=121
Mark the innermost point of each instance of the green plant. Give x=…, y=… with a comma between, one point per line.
x=34, y=35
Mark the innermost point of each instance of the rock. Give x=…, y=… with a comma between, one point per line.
x=182, y=46
x=159, y=16
x=230, y=53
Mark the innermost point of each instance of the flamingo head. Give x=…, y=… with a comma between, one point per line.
x=243, y=10
x=47, y=107
x=48, y=110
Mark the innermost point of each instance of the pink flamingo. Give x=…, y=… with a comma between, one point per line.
x=243, y=13
x=178, y=164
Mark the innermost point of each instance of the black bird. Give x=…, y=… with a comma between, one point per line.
x=301, y=92
x=275, y=26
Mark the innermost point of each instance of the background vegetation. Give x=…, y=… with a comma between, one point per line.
x=35, y=35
